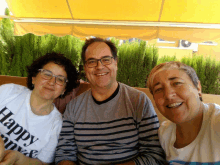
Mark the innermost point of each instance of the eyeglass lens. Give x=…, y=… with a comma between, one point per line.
x=48, y=75
x=94, y=62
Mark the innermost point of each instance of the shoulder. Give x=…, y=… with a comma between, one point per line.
x=57, y=114
x=77, y=103
x=13, y=87
x=82, y=97
x=166, y=127
x=56, y=118
x=11, y=90
x=138, y=99
x=213, y=111
x=167, y=134
x=165, y=131
x=132, y=92
x=127, y=88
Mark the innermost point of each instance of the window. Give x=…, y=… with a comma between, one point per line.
x=208, y=43
x=159, y=40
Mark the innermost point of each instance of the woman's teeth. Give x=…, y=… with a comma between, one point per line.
x=174, y=105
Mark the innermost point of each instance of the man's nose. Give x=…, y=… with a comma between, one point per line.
x=99, y=64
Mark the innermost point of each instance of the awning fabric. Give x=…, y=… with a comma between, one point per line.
x=192, y=20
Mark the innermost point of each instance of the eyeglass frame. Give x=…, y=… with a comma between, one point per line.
x=97, y=60
x=53, y=75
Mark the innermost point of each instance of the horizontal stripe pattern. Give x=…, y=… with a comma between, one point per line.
x=113, y=141
x=66, y=149
x=122, y=129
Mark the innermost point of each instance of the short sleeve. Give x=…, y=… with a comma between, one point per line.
x=10, y=91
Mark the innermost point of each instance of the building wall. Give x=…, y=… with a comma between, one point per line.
x=173, y=49
x=179, y=53
x=209, y=50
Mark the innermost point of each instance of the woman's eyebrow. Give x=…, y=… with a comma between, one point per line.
x=156, y=84
x=173, y=78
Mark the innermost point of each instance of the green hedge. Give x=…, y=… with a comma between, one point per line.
x=208, y=70
x=135, y=59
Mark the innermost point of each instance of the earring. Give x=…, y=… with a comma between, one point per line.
x=61, y=96
x=32, y=86
x=200, y=96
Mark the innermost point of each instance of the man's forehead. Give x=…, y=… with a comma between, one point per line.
x=98, y=48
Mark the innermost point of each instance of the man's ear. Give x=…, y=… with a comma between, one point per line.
x=116, y=60
x=84, y=67
x=116, y=63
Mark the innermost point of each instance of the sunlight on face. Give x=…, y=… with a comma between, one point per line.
x=176, y=96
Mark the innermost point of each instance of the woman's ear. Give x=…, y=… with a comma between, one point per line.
x=33, y=80
x=199, y=88
x=64, y=90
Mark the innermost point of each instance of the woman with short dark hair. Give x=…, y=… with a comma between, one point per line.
x=29, y=121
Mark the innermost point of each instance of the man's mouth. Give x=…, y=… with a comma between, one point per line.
x=174, y=105
x=101, y=74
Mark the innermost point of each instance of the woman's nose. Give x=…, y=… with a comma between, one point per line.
x=52, y=81
x=169, y=92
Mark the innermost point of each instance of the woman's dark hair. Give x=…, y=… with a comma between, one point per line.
x=59, y=59
x=92, y=40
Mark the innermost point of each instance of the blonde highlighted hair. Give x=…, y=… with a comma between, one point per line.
x=173, y=65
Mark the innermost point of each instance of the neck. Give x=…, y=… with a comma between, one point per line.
x=187, y=132
x=103, y=93
x=40, y=106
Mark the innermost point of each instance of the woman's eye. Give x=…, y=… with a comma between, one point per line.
x=177, y=83
x=47, y=74
x=157, y=90
x=61, y=80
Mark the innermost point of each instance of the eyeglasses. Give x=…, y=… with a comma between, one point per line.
x=94, y=62
x=48, y=75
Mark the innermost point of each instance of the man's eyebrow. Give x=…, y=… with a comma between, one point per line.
x=91, y=59
x=99, y=58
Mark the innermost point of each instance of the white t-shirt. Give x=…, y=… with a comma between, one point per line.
x=34, y=136
x=204, y=149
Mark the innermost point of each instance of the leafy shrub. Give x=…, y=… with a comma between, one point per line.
x=135, y=59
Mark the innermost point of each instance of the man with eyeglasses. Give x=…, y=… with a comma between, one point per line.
x=112, y=123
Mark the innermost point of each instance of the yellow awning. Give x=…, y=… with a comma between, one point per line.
x=192, y=20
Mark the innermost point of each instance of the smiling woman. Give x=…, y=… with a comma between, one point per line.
x=192, y=134
x=30, y=123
